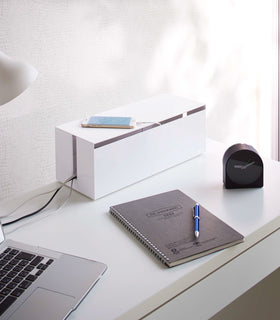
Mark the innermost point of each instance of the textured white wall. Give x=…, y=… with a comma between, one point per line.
x=95, y=55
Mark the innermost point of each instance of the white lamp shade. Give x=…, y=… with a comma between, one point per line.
x=15, y=77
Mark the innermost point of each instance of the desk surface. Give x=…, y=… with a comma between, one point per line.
x=136, y=283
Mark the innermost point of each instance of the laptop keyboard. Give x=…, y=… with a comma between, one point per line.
x=18, y=270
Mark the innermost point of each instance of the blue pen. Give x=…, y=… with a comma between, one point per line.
x=196, y=220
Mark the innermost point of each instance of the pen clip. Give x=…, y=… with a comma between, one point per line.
x=194, y=215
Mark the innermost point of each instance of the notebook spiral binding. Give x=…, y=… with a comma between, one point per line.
x=162, y=257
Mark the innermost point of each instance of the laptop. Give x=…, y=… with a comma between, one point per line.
x=37, y=283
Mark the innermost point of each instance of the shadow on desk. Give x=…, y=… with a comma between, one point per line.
x=258, y=303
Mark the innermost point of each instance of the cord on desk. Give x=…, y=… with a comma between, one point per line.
x=45, y=205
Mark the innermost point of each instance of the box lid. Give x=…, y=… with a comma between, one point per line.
x=148, y=113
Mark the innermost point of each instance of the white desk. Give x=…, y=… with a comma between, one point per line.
x=136, y=284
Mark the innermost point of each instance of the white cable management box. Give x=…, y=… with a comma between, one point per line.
x=107, y=159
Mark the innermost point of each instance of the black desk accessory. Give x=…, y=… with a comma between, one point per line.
x=242, y=167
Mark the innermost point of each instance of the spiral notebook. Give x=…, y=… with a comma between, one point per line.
x=164, y=223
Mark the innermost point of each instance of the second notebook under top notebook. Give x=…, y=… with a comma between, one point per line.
x=164, y=223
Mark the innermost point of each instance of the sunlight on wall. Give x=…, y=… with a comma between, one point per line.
x=224, y=58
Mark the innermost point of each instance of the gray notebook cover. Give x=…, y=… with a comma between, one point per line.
x=164, y=223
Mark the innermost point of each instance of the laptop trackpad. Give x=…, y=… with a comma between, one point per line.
x=44, y=305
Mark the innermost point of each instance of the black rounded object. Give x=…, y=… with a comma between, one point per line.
x=242, y=167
